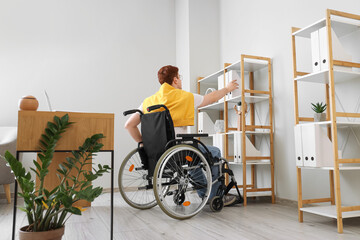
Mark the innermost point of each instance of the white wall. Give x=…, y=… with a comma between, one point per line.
x=183, y=41
x=90, y=56
x=204, y=39
x=111, y=50
x=264, y=28
x=197, y=41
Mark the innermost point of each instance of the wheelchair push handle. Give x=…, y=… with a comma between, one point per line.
x=149, y=109
x=152, y=108
x=132, y=111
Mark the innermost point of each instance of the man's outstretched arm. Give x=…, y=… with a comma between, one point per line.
x=216, y=95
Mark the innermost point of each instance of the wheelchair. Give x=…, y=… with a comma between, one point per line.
x=171, y=172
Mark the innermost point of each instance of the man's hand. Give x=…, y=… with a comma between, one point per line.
x=216, y=95
x=231, y=86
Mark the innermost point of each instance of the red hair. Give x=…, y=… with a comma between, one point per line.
x=167, y=74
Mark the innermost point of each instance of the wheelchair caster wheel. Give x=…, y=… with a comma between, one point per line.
x=216, y=204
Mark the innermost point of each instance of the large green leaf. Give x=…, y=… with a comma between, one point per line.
x=74, y=210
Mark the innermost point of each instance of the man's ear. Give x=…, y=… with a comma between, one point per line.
x=175, y=81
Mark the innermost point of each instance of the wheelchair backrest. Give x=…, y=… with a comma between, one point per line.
x=157, y=129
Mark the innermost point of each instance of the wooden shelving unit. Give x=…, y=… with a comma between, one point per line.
x=328, y=77
x=248, y=64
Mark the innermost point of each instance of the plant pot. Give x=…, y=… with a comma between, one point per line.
x=28, y=103
x=47, y=235
x=319, y=117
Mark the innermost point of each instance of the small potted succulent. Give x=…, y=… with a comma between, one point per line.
x=48, y=209
x=319, y=109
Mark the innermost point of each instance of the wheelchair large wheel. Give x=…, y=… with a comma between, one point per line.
x=182, y=181
x=134, y=185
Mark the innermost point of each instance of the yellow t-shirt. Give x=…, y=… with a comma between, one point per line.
x=179, y=102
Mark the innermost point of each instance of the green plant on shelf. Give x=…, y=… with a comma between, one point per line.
x=48, y=209
x=318, y=107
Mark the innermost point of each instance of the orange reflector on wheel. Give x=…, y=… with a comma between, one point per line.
x=189, y=158
x=187, y=203
x=131, y=168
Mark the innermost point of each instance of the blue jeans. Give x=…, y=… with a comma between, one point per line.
x=215, y=171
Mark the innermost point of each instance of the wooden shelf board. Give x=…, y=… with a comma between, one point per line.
x=329, y=211
x=323, y=76
x=341, y=28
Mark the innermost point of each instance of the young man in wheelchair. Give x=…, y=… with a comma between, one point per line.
x=182, y=106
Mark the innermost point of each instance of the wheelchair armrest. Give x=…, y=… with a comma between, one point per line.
x=132, y=111
x=191, y=135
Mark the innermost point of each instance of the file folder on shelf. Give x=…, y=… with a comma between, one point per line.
x=298, y=146
x=205, y=124
x=237, y=144
x=315, y=51
x=320, y=51
x=218, y=141
x=230, y=76
x=313, y=147
x=221, y=85
x=251, y=150
x=339, y=52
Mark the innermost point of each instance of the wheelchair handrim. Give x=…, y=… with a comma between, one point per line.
x=160, y=169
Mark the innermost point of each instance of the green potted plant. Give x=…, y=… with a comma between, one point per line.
x=319, y=109
x=48, y=209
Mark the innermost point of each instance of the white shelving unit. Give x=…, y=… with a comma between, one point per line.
x=247, y=64
x=342, y=24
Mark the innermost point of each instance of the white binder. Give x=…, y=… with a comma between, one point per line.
x=315, y=51
x=251, y=150
x=298, y=146
x=236, y=148
x=339, y=52
x=205, y=124
x=221, y=85
x=228, y=95
x=235, y=75
x=218, y=141
x=316, y=147
x=221, y=144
